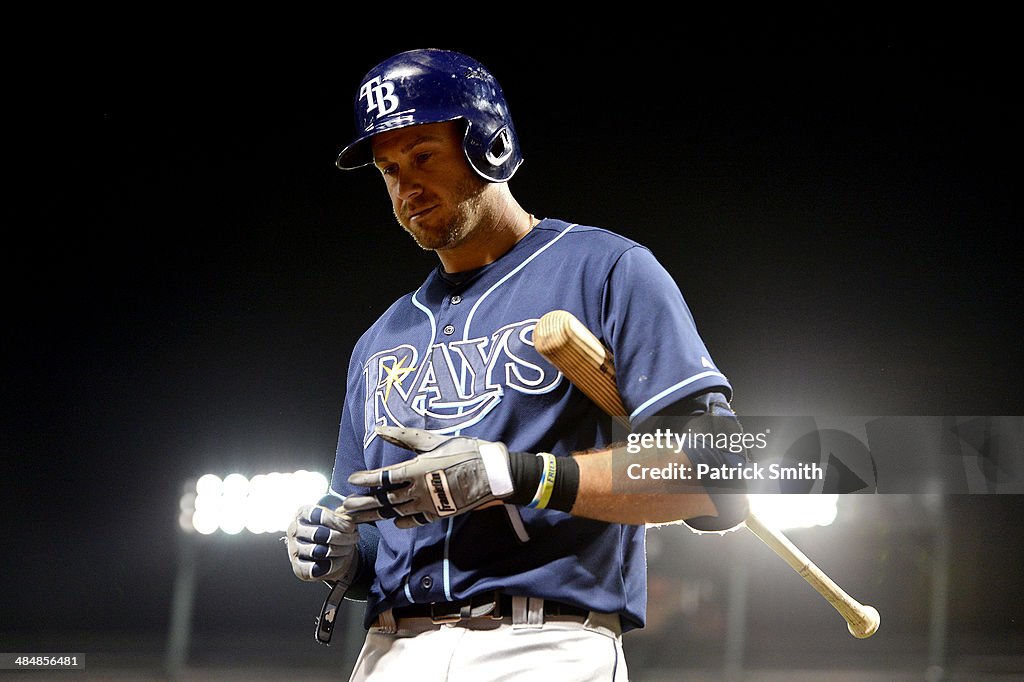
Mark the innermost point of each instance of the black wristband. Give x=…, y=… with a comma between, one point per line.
x=527, y=470
x=567, y=485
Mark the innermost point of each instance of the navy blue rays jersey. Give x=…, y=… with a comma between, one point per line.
x=457, y=357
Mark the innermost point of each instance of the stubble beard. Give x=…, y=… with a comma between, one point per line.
x=458, y=227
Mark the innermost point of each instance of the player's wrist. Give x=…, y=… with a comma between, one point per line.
x=543, y=481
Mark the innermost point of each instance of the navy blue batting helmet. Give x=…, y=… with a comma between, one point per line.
x=432, y=86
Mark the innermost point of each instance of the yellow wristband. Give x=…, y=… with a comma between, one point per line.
x=547, y=482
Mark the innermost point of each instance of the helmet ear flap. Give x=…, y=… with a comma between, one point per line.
x=500, y=147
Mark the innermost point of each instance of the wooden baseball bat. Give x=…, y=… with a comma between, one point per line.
x=568, y=345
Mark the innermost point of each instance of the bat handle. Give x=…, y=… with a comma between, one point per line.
x=861, y=619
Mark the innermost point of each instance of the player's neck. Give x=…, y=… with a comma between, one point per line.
x=494, y=235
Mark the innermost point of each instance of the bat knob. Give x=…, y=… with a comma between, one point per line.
x=867, y=625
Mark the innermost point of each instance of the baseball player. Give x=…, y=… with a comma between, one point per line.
x=472, y=505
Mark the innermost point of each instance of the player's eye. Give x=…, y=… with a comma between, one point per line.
x=390, y=169
x=423, y=157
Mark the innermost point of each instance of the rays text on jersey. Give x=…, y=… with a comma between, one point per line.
x=453, y=384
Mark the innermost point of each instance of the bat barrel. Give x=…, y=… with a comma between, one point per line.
x=580, y=356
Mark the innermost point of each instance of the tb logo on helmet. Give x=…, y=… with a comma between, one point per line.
x=380, y=95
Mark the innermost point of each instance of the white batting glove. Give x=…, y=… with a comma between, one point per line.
x=450, y=476
x=322, y=542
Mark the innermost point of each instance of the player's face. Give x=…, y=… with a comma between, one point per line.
x=434, y=192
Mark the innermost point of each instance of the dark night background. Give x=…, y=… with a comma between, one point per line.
x=186, y=272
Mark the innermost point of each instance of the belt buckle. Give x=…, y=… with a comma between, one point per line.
x=442, y=613
x=495, y=614
x=445, y=612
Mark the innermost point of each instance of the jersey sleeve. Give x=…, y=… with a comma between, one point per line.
x=660, y=358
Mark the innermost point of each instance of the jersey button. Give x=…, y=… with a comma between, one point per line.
x=426, y=581
x=456, y=299
x=449, y=329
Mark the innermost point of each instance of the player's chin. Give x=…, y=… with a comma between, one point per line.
x=429, y=238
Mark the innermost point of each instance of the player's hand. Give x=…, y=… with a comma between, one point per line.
x=322, y=542
x=451, y=475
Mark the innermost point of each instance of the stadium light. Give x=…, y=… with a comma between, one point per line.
x=266, y=503
x=786, y=512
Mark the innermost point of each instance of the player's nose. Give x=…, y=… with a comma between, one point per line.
x=407, y=186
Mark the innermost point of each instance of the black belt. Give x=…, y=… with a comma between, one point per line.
x=488, y=605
